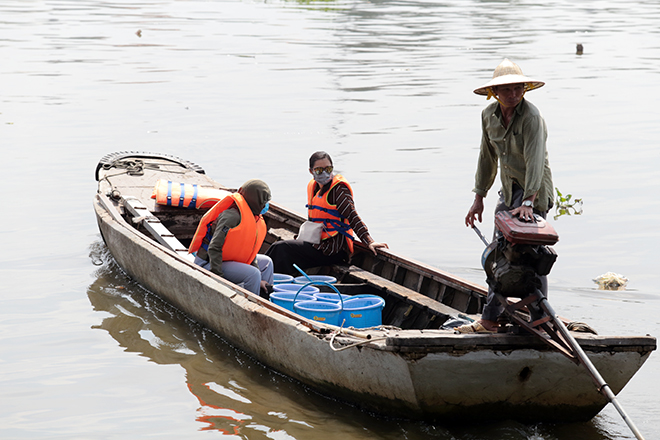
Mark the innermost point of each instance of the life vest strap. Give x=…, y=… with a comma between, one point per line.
x=182, y=194
x=206, y=241
x=333, y=212
x=334, y=225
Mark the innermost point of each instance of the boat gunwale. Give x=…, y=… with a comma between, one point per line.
x=404, y=340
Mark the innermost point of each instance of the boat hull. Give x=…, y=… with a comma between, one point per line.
x=422, y=374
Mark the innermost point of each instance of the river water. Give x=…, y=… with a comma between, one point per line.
x=250, y=89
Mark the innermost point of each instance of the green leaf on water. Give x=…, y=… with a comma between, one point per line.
x=564, y=206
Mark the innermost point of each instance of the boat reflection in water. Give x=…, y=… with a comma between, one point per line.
x=234, y=392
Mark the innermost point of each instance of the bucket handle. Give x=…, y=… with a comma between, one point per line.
x=301, y=271
x=324, y=283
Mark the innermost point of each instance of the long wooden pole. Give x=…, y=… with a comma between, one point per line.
x=603, y=387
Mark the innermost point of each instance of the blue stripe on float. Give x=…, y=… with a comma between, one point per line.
x=182, y=195
x=193, y=202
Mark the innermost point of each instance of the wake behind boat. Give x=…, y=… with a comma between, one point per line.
x=409, y=366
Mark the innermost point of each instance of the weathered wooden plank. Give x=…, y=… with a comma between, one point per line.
x=430, y=288
x=412, y=280
x=281, y=234
x=402, y=293
x=153, y=225
x=431, y=272
x=491, y=341
x=396, y=313
x=460, y=301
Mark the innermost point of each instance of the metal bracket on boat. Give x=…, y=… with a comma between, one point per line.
x=151, y=223
x=544, y=327
x=558, y=336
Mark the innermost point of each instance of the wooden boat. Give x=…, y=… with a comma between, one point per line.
x=409, y=367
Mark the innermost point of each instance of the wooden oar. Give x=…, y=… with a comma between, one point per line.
x=603, y=387
x=480, y=235
x=579, y=354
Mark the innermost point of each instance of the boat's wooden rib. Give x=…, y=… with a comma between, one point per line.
x=152, y=224
x=427, y=311
x=409, y=367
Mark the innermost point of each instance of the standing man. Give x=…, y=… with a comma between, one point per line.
x=514, y=134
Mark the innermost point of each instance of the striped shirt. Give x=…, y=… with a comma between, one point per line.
x=341, y=196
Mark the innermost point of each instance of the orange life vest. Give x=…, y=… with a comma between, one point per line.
x=185, y=195
x=243, y=241
x=321, y=211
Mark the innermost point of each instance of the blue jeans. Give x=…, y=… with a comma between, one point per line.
x=245, y=275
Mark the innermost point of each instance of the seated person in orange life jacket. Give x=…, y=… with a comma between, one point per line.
x=330, y=202
x=231, y=233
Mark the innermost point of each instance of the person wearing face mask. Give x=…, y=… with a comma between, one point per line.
x=231, y=233
x=330, y=203
x=514, y=135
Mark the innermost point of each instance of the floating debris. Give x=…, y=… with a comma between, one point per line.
x=139, y=33
x=565, y=206
x=611, y=281
x=579, y=49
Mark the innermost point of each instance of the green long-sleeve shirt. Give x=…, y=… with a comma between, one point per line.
x=521, y=151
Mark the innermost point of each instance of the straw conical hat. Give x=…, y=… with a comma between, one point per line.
x=508, y=72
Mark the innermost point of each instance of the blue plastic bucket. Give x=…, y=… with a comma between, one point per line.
x=320, y=311
x=362, y=312
x=285, y=299
x=288, y=287
x=331, y=297
x=281, y=278
x=314, y=278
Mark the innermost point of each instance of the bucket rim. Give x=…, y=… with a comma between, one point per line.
x=376, y=304
x=315, y=278
x=279, y=294
x=297, y=288
x=327, y=306
x=344, y=296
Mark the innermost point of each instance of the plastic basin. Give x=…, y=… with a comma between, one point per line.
x=363, y=311
x=281, y=278
x=320, y=311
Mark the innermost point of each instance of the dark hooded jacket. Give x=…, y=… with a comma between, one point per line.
x=256, y=193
